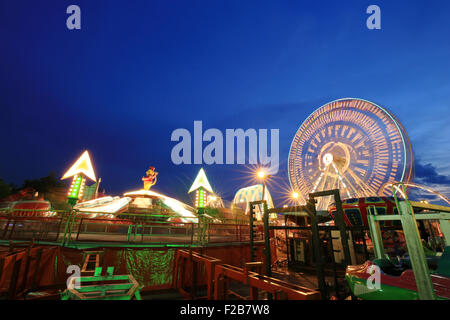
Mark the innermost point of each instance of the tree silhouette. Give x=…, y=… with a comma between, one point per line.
x=5, y=189
x=44, y=184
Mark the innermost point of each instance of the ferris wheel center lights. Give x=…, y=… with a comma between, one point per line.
x=327, y=159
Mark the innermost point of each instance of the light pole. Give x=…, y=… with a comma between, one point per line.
x=263, y=176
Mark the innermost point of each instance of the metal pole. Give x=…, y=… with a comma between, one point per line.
x=341, y=225
x=316, y=249
x=66, y=228
x=416, y=253
x=262, y=198
x=333, y=261
x=96, y=188
x=263, y=190
x=375, y=234
x=252, y=248
x=287, y=239
x=267, y=245
x=267, y=241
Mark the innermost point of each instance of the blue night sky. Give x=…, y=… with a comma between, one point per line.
x=137, y=70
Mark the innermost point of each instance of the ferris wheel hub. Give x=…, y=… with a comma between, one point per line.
x=327, y=159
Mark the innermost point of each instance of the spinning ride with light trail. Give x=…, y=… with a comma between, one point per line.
x=352, y=145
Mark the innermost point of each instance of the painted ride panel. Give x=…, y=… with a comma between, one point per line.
x=28, y=208
x=356, y=209
x=397, y=283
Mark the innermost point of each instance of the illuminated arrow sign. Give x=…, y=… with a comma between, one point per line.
x=79, y=170
x=200, y=186
x=82, y=165
x=201, y=181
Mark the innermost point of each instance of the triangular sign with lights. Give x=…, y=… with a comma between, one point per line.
x=201, y=181
x=82, y=165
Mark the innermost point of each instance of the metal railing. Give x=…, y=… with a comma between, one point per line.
x=127, y=228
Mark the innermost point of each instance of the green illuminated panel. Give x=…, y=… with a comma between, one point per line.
x=76, y=190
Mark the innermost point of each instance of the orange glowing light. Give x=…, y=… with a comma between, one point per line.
x=261, y=174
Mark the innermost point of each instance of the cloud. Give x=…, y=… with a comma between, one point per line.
x=421, y=194
x=427, y=174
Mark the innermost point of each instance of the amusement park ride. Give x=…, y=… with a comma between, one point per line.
x=409, y=277
x=350, y=164
x=352, y=145
x=361, y=149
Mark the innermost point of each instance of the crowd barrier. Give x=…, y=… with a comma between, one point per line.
x=69, y=227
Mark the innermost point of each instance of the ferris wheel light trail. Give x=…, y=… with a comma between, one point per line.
x=397, y=188
x=323, y=173
x=350, y=144
x=368, y=189
x=415, y=185
x=342, y=180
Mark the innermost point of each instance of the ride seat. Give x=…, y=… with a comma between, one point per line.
x=443, y=267
x=388, y=267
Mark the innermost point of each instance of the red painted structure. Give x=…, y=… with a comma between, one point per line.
x=356, y=209
x=28, y=208
x=151, y=267
x=280, y=290
x=192, y=269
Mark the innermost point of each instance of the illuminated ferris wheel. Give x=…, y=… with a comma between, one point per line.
x=352, y=145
